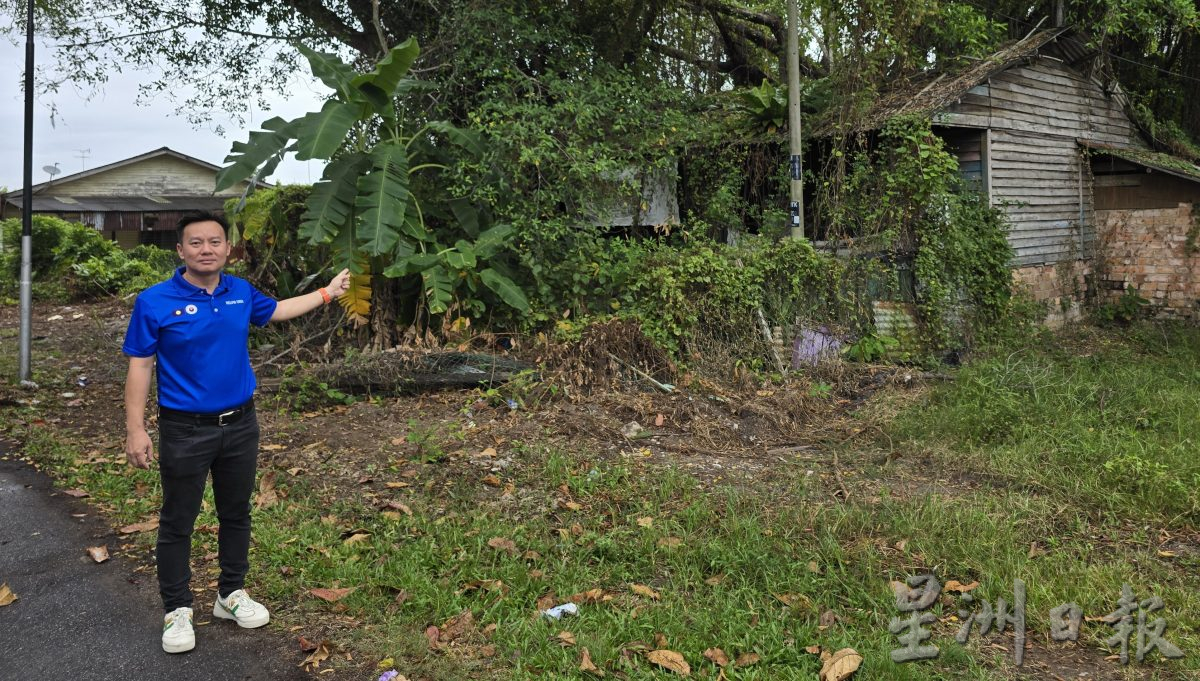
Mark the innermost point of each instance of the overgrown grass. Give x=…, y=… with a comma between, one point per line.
x=753, y=569
x=1102, y=420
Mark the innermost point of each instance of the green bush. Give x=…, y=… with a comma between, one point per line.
x=47, y=232
x=675, y=290
x=112, y=274
x=72, y=261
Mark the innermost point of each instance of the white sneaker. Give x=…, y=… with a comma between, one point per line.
x=178, y=635
x=240, y=608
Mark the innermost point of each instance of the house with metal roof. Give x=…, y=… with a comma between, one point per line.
x=134, y=201
x=1093, y=208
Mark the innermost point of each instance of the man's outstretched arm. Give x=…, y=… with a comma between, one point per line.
x=298, y=305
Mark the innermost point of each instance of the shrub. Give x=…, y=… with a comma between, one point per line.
x=71, y=260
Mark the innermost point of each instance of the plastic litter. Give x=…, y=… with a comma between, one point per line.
x=558, y=611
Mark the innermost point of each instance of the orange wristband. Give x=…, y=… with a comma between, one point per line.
x=324, y=295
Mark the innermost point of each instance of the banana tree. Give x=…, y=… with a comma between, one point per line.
x=364, y=207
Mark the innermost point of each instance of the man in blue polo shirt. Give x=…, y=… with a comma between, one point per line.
x=192, y=330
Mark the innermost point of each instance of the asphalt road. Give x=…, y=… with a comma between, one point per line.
x=79, y=620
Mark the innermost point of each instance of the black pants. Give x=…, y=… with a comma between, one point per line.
x=188, y=452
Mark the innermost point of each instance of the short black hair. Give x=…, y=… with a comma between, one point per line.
x=199, y=216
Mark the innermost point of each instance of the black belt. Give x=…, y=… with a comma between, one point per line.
x=213, y=419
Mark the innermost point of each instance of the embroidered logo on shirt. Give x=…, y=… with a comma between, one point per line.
x=191, y=309
x=239, y=301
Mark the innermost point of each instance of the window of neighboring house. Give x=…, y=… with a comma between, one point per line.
x=163, y=238
x=969, y=146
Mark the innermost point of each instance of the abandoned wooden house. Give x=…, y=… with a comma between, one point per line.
x=134, y=201
x=1093, y=208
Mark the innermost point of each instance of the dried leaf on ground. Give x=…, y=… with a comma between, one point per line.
x=586, y=665
x=306, y=646
x=6, y=595
x=565, y=638
x=813, y=650
x=140, y=527
x=331, y=595
x=356, y=538
x=77, y=493
x=590, y=596
x=669, y=659
x=828, y=619
x=955, y=585
x=717, y=656
x=645, y=522
x=266, y=491
x=643, y=590
x=502, y=544
x=457, y=626
x=98, y=553
x=670, y=542
x=491, y=480
x=746, y=659
x=399, y=506
x=792, y=600
x=841, y=665
x=316, y=657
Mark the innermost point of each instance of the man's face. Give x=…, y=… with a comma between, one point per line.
x=204, y=249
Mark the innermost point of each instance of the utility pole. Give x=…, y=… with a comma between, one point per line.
x=796, y=163
x=27, y=211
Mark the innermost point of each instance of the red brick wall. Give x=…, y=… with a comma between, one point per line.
x=1061, y=286
x=1148, y=250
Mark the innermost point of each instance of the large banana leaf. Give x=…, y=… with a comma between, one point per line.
x=345, y=255
x=461, y=257
x=383, y=198
x=390, y=71
x=504, y=287
x=332, y=199
x=357, y=298
x=261, y=145
x=439, y=289
x=492, y=240
x=412, y=264
x=320, y=133
x=466, y=213
x=467, y=139
x=331, y=70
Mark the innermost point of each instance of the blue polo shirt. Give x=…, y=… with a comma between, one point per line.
x=203, y=363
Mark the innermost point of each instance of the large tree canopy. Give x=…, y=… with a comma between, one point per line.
x=233, y=50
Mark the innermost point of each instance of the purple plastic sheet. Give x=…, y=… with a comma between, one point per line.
x=813, y=346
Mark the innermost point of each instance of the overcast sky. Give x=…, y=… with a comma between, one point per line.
x=114, y=128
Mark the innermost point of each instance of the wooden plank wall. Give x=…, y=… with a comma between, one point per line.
x=1036, y=112
x=158, y=176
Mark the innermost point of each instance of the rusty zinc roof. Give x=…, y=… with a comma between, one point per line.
x=1172, y=165
x=930, y=92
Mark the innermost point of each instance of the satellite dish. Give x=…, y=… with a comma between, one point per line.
x=51, y=170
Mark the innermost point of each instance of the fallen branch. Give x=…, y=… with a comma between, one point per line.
x=665, y=387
